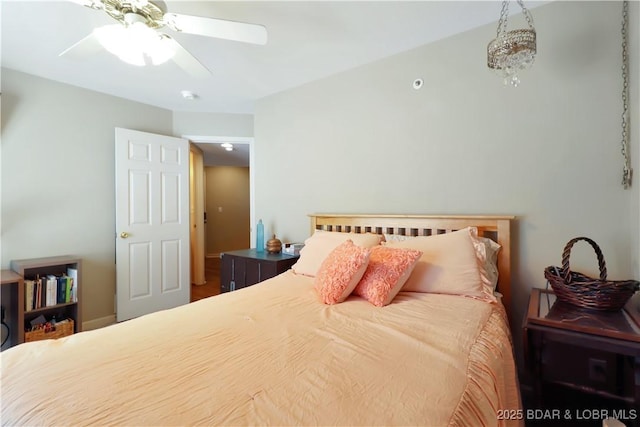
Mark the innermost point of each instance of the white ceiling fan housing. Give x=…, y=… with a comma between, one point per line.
x=136, y=39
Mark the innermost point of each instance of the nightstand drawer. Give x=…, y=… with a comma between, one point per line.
x=587, y=368
x=594, y=353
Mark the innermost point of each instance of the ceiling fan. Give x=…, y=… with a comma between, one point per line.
x=136, y=38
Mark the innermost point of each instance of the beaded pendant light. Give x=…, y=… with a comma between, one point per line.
x=512, y=51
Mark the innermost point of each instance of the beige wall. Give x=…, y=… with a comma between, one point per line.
x=212, y=124
x=58, y=172
x=58, y=182
x=227, y=187
x=547, y=151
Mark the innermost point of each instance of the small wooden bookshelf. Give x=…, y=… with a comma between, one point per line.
x=32, y=269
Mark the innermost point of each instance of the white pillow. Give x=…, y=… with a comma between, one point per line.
x=321, y=243
x=486, y=250
x=448, y=265
x=490, y=264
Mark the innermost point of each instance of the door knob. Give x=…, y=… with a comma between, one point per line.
x=124, y=234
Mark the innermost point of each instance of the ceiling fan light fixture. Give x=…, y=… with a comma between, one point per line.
x=160, y=50
x=135, y=42
x=138, y=39
x=114, y=39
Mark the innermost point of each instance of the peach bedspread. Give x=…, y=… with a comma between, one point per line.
x=272, y=354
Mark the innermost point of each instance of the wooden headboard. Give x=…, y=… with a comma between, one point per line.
x=497, y=228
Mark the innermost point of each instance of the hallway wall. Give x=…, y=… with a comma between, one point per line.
x=227, y=207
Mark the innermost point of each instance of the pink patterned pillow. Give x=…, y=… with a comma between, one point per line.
x=341, y=271
x=388, y=269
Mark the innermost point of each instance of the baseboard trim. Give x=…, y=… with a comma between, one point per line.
x=98, y=323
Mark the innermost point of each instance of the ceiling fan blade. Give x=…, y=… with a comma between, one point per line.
x=188, y=62
x=218, y=28
x=85, y=47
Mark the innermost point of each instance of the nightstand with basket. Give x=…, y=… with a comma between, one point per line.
x=582, y=339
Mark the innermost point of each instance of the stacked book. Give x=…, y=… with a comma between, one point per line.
x=50, y=290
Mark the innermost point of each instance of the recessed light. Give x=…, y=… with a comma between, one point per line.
x=226, y=145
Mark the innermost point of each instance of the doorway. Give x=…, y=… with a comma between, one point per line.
x=228, y=183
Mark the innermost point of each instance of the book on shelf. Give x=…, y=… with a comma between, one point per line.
x=35, y=294
x=50, y=290
x=29, y=286
x=73, y=274
x=63, y=289
x=38, y=292
x=69, y=287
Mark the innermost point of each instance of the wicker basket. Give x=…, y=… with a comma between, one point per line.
x=60, y=330
x=582, y=291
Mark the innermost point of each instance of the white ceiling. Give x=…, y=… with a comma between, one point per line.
x=307, y=40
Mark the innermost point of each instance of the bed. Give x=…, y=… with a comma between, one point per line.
x=274, y=354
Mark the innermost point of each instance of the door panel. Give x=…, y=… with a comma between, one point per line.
x=170, y=265
x=152, y=223
x=139, y=198
x=139, y=277
x=170, y=198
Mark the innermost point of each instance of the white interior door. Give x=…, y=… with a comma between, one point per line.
x=152, y=223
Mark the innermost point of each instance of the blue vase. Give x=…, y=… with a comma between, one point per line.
x=260, y=237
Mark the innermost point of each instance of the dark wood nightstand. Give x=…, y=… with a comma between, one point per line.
x=593, y=353
x=247, y=267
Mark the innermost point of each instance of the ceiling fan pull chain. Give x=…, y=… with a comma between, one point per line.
x=627, y=171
